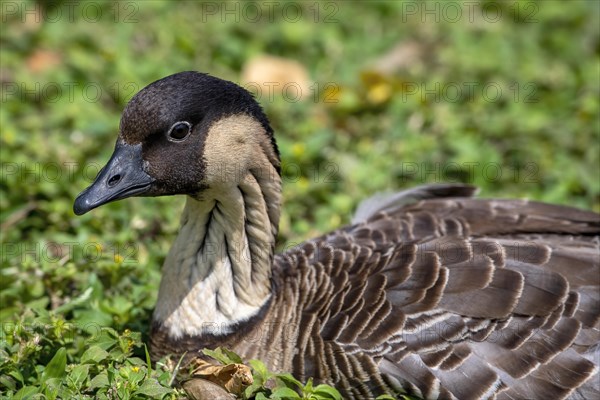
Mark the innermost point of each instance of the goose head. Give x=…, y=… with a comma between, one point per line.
x=184, y=134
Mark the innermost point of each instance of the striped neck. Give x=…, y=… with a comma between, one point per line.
x=218, y=272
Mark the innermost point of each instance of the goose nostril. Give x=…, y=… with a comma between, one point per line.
x=114, y=180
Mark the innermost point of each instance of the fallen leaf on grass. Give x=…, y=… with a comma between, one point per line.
x=42, y=60
x=233, y=377
x=281, y=76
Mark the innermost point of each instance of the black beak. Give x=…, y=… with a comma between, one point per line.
x=122, y=177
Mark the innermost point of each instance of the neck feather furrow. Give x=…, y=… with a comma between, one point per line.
x=218, y=271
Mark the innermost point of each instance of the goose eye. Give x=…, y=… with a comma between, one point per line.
x=179, y=131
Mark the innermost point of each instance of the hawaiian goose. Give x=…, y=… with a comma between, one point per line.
x=430, y=290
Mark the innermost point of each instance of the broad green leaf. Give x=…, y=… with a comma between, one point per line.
x=153, y=389
x=289, y=380
x=93, y=321
x=136, y=361
x=51, y=388
x=285, y=393
x=7, y=382
x=260, y=370
x=26, y=393
x=252, y=389
x=80, y=300
x=56, y=367
x=327, y=392
x=79, y=374
x=94, y=355
x=17, y=375
x=99, y=381
x=224, y=356
x=235, y=359
x=308, y=388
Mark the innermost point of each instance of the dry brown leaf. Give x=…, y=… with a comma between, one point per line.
x=281, y=76
x=233, y=377
x=42, y=60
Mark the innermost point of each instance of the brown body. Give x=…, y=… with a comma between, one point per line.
x=442, y=296
x=431, y=291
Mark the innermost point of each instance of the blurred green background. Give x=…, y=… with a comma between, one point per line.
x=503, y=95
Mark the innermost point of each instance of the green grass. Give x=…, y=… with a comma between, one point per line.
x=72, y=284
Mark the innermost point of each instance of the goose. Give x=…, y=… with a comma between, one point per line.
x=429, y=291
